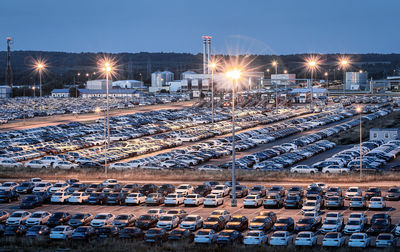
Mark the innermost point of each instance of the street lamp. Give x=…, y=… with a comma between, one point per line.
x=212, y=66
x=40, y=66
x=235, y=75
x=275, y=64
x=344, y=63
x=359, y=110
x=107, y=67
x=312, y=64
x=285, y=71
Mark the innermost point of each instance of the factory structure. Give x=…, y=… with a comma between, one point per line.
x=198, y=83
x=357, y=81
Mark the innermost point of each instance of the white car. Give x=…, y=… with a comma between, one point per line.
x=335, y=169
x=255, y=237
x=42, y=187
x=8, y=186
x=58, y=187
x=280, y=238
x=135, y=199
x=376, y=203
x=310, y=206
x=221, y=189
x=102, y=219
x=359, y=215
x=78, y=197
x=18, y=217
x=333, y=239
x=213, y=200
x=174, y=199
x=168, y=222
x=50, y=160
x=252, y=201
x=304, y=169
x=122, y=166
x=321, y=185
x=192, y=222
x=60, y=197
x=335, y=215
x=10, y=163
x=223, y=213
x=353, y=226
x=193, y=200
x=110, y=182
x=61, y=232
x=156, y=212
x=359, y=240
x=65, y=165
x=35, y=180
x=305, y=238
x=385, y=240
x=37, y=164
x=331, y=225
x=352, y=192
x=207, y=236
x=38, y=218
x=184, y=189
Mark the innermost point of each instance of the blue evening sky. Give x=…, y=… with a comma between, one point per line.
x=244, y=26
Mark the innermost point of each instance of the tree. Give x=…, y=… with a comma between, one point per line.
x=74, y=92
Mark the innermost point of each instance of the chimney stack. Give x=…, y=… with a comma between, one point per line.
x=205, y=65
x=209, y=54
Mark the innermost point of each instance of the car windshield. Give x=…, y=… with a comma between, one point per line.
x=291, y=198
x=172, y=196
x=30, y=198
x=352, y=190
x=333, y=189
x=328, y=221
x=145, y=217
x=278, y=235
x=284, y=220
x=57, y=215
x=35, y=228
x=384, y=237
x=76, y=194
x=153, y=231
x=183, y=187
x=375, y=199
x=122, y=217
x=25, y=184
x=333, y=198
x=101, y=217
x=191, y=196
x=58, y=229
x=211, y=196
x=357, y=237
x=225, y=234
x=16, y=215
x=81, y=229
x=356, y=199
x=303, y=235
x=77, y=216
x=212, y=219
x=353, y=222
x=331, y=235
x=190, y=219
x=310, y=203
x=254, y=234
x=202, y=233
x=166, y=218
x=306, y=221
x=239, y=219
x=380, y=222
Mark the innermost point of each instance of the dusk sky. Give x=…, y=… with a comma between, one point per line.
x=248, y=26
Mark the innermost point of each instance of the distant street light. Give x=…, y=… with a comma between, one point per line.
x=212, y=66
x=312, y=64
x=275, y=64
x=40, y=66
x=234, y=75
x=344, y=63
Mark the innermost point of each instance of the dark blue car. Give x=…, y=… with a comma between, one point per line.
x=25, y=187
x=97, y=198
x=229, y=237
x=38, y=230
x=31, y=201
x=8, y=196
x=83, y=233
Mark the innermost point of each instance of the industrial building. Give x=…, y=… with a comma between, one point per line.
x=5, y=91
x=159, y=80
x=98, y=84
x=128, y=84
x=357, y=81
x=384, y=134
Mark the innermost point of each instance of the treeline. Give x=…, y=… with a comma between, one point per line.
x=63, y=68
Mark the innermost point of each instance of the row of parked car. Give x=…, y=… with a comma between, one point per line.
x=28, y=107
x=158, y=225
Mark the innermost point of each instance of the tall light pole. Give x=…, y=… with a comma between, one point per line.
x=312, y=64
x=359, y=110
x=344, y=63
x=234, y=75
x=107, y=69
x=275, y=64
x=212, y=66
x=326, y=78
x=40, y=66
